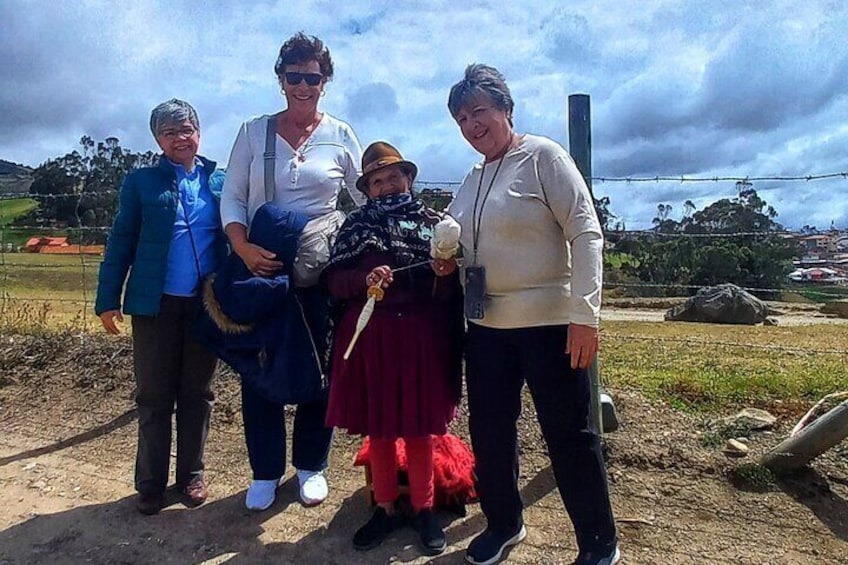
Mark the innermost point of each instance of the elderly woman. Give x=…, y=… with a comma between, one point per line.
x=299, y=159
x=400, y=380
x=532, y=247
x=167, y=235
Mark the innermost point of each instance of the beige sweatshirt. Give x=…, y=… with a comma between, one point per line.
x=539, y=237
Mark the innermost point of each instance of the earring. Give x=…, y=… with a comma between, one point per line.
x=323, y=92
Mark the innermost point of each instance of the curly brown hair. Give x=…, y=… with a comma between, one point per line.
x=301, y=48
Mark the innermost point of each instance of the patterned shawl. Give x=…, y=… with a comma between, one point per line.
x=399, y=224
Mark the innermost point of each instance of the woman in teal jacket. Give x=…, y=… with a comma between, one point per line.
x=167, y=235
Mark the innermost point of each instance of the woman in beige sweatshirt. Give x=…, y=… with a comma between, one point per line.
x=532, y=270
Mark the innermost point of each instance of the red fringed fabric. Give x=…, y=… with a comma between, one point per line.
x=453, y=469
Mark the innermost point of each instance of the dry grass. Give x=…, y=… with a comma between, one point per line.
x=721, y=365
x=42, y=293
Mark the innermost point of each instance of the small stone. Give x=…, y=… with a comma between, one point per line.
x=29, y=466
x=770, y=322
x=735, y=448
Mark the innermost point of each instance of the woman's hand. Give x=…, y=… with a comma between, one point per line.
x=379, y=276
x=443, y=267
x=258, y=260
x=583, y=343
x=108, y=319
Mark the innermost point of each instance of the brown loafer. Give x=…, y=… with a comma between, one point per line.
x=150, y=503
x=194, y=494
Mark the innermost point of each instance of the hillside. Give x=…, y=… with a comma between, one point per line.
x=14, y=178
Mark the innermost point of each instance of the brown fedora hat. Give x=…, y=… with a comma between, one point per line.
x=379, y=155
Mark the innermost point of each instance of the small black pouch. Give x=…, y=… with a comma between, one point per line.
x=475, y=292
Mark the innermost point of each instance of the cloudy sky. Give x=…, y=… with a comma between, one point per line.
x=693, y=88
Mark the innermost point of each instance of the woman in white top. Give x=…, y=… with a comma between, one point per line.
x=316, y=156
x=532, y=270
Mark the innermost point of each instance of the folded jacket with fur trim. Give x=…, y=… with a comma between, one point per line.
x=273, y=334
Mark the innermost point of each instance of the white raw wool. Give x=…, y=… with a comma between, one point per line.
x=445, y=242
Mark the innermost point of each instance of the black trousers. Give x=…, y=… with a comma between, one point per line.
x=498, y=362
x=171, y=369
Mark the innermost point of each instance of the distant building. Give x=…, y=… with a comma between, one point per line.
x=59, y=246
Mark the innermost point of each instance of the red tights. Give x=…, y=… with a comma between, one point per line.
x=384, y=472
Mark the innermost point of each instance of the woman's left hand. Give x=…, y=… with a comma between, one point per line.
x=583, y=343
x=444, y=267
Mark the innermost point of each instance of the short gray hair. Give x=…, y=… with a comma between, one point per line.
x=170, y=113
x=481, y=81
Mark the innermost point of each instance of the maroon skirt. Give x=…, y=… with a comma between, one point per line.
x=396, y=382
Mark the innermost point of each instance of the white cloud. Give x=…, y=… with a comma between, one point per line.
x=681, y=87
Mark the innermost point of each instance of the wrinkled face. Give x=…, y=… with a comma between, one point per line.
x=388, y=180
x=484, y=126
x=179, y=143
x=300, y=94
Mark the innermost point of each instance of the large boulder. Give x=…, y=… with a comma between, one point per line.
x=838, y=308
x=722, y=304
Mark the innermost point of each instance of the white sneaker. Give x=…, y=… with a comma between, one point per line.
x=313, y=487
x=261, y=494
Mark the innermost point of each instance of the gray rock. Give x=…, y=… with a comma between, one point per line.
x=838, y=308
x=722, y=304
x=751, y=419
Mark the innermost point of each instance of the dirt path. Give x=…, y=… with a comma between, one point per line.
x=654, y=309
x=67, y=432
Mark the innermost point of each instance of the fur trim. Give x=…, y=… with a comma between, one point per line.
x=213, y=308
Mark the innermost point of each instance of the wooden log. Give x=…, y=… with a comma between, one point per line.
x=813, y=440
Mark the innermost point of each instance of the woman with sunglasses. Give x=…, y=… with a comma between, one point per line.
x=532, y=246
x=314, y=157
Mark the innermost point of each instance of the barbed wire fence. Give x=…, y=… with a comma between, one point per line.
x=32, y=285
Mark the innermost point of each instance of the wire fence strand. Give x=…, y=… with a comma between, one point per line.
x=88, y=264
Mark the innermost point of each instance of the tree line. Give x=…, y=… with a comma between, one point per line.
x=666, y=256
x=79, y=189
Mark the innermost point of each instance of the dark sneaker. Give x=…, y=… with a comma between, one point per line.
x=431, y=533
x=488, y=547
x=150, y=504
x=610, y=557
x=375, y=530
x=194, y=494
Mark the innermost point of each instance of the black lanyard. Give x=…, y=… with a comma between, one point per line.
x=475, y=218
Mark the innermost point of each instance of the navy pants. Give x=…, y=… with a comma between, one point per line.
x=172, y=370
x=498, y=362
x=265, y=433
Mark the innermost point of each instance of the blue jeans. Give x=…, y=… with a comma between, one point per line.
x=265, y=433
x=498, y=362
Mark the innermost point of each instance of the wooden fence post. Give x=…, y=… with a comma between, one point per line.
x=580, y=147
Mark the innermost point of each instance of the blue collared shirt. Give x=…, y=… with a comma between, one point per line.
x=195, y=209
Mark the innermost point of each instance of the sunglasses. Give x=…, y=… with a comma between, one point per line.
x=312, y=79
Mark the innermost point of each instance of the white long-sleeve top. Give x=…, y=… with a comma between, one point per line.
x=308, y=179
x=539, y=237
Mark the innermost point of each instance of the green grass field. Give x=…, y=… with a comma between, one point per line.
x=696, y=367
x=11, y=210
x=775, y=368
